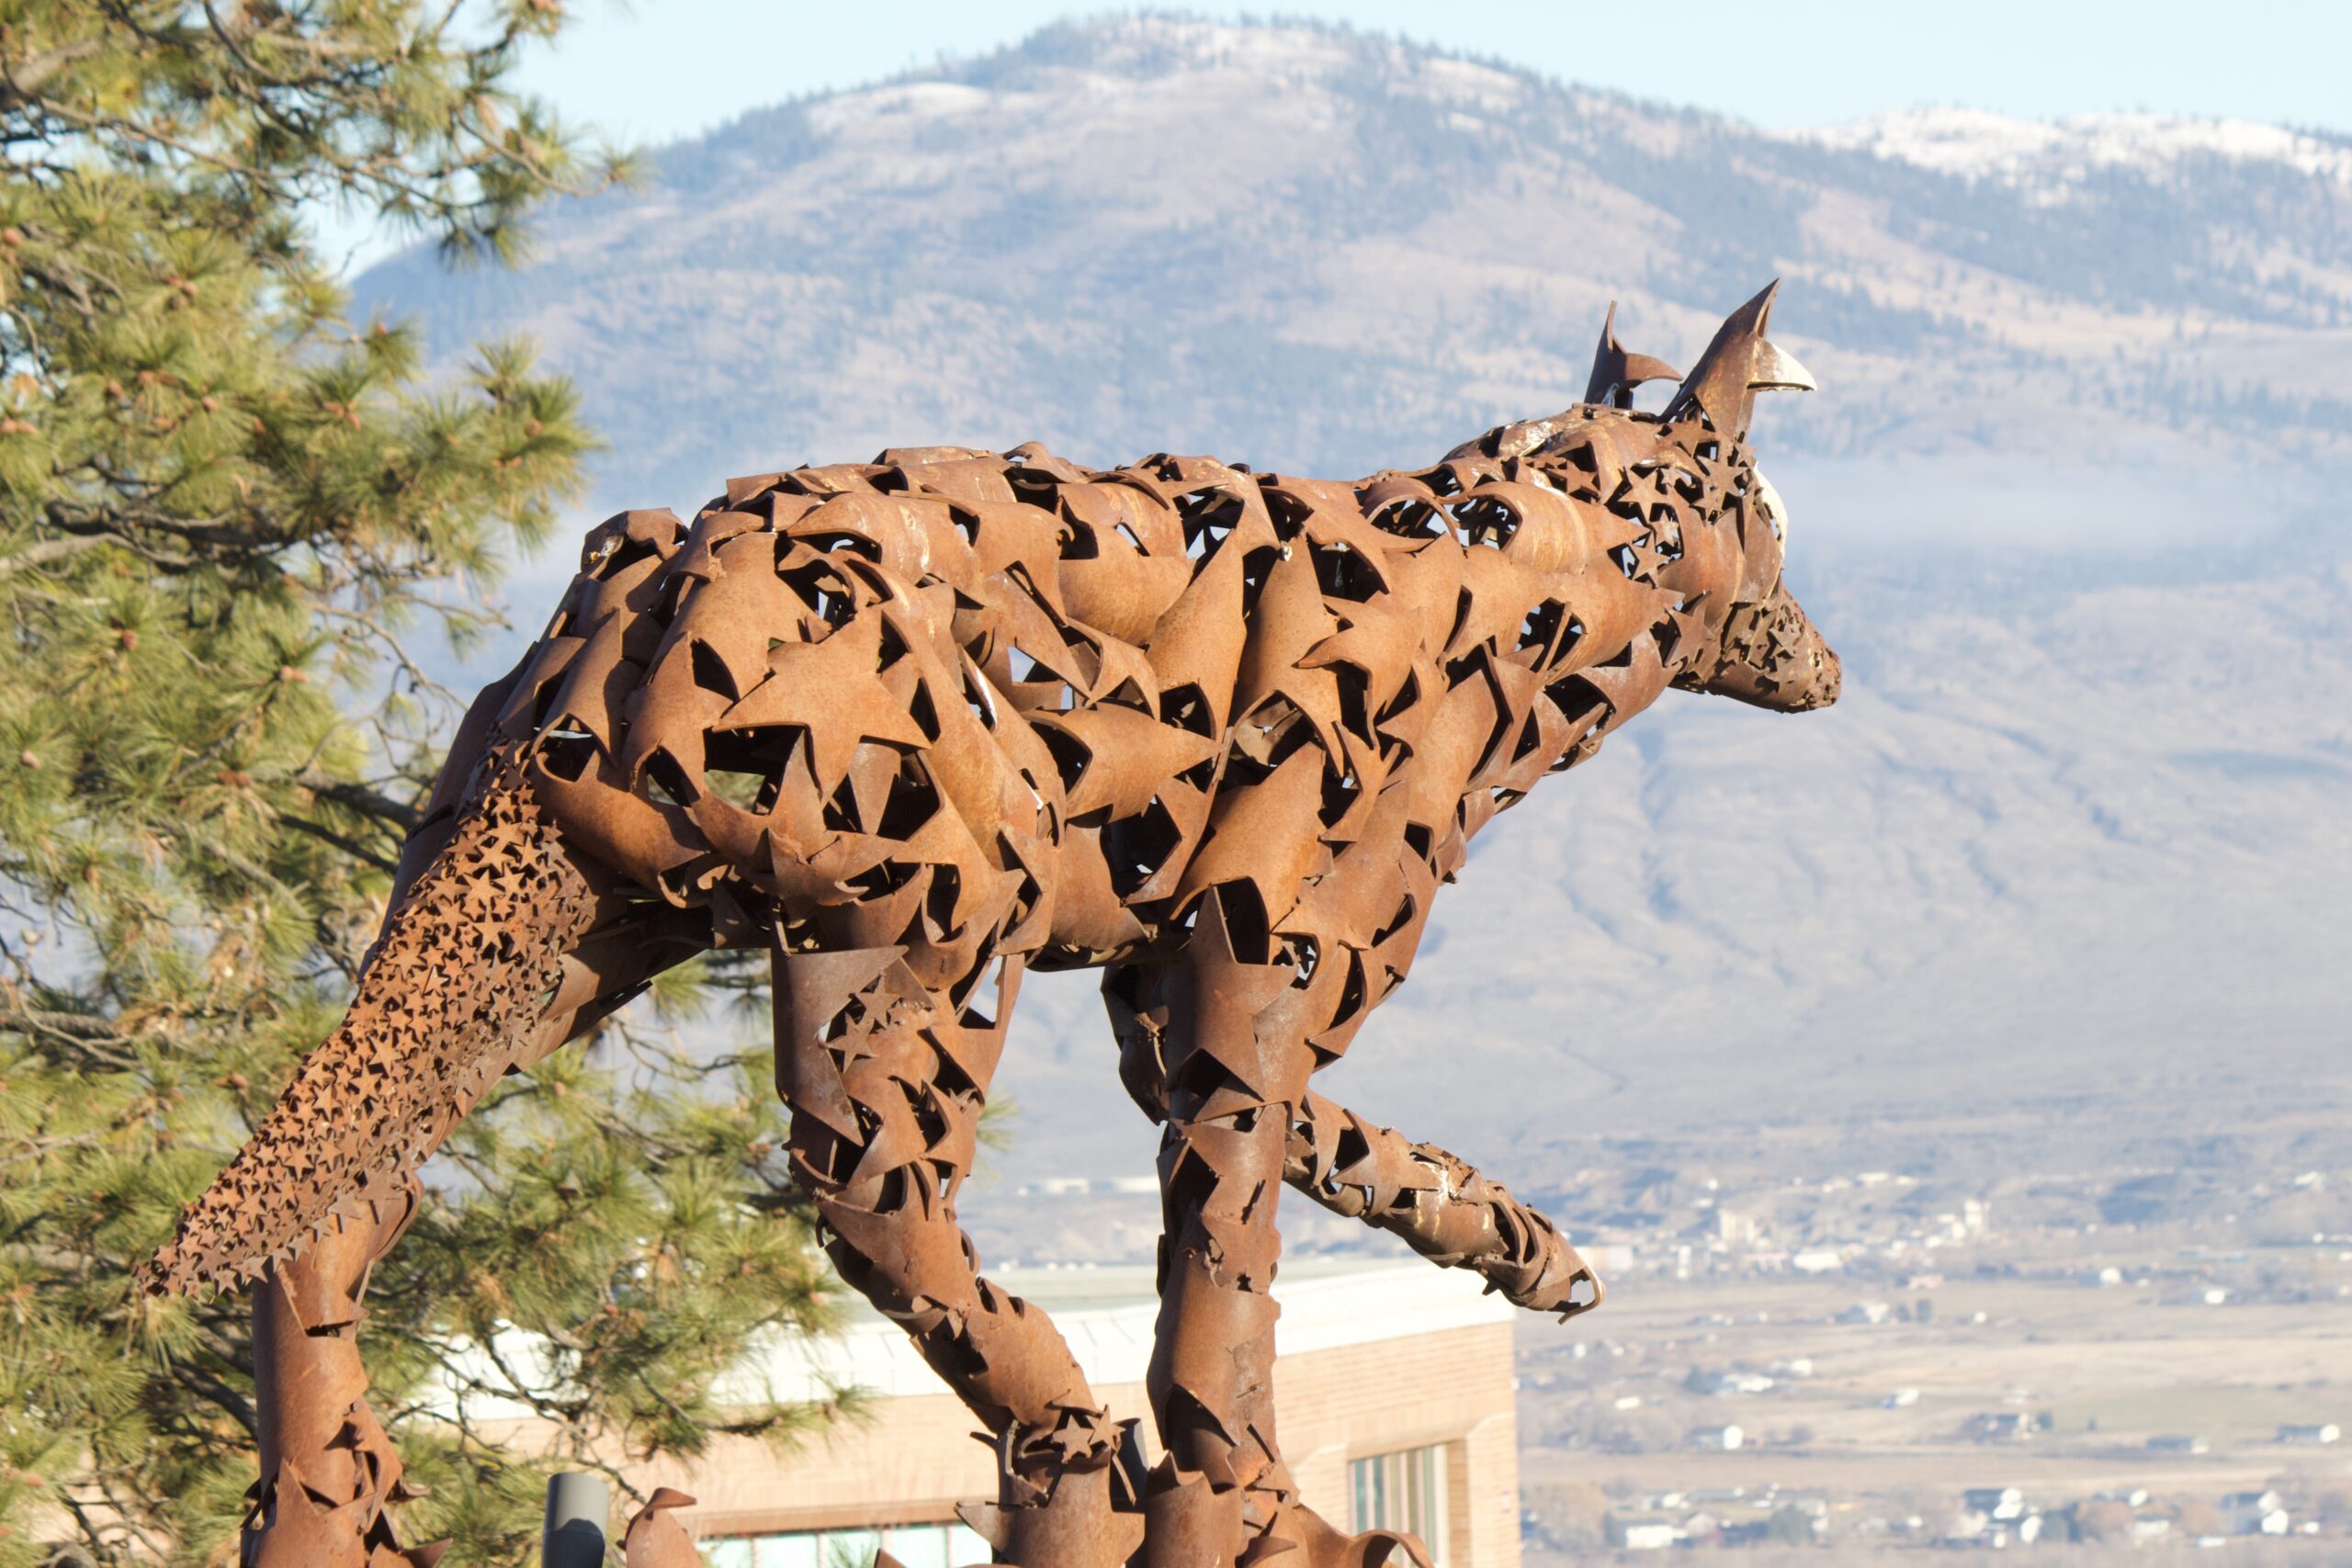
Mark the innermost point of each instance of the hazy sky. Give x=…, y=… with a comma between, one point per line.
x=657, y=69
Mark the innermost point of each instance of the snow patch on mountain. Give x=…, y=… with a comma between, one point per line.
x=1978, y=144
x=915, y=101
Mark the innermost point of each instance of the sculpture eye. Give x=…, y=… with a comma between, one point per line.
x=1774, y=507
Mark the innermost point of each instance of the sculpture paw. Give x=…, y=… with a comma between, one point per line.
x=1326, y=1547
x=1090, y=1518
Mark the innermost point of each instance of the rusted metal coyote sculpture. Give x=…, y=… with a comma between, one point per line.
x=918, y=725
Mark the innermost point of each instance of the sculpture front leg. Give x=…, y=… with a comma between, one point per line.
x=1236, y=1066
x=1431, y=1198
x=1437, y=1204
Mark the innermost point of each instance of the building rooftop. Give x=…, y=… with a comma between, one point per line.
x=1105, y=1314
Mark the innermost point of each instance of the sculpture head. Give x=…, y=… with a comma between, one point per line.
x=1766, y=650
x=1753, y=641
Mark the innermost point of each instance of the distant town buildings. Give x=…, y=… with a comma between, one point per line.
x=1718, y=1385
x=1879, y=1257
x=1994, y=1516
x=1998, y=1505
x=1644, y=1535
x=2255, y=1513
x=2000, y=1427
x=1716, y=1515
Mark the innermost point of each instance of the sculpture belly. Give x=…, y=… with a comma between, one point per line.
x=792, y=739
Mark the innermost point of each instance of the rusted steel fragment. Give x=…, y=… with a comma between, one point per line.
x=655, y=1538
x=1615, y=372
x=918, y=725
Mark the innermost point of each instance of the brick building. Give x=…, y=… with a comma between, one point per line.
x=1394, y=1384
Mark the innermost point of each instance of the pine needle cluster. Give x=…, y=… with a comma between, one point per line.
x=226, y=514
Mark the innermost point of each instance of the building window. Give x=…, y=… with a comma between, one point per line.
x=1403, y=1491
x=917, y=1546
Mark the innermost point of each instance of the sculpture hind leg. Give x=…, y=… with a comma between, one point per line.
x=329, y=1473
x=886, y=1079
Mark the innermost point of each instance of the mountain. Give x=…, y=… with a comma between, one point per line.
x=2067, y=864
x=1333, y=251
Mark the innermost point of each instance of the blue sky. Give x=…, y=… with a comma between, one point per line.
x=653, y=69
x=648, y=71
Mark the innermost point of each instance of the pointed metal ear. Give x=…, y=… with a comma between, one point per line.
x=1740, y=362
x=1777, y=370
x=1616, y=373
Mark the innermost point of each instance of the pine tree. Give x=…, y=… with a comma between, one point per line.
x=225, y=515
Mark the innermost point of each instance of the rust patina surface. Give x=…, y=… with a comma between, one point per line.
x=919, y=725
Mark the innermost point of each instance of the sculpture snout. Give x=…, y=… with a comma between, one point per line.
x=1773, y=655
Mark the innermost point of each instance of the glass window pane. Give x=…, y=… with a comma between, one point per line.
x=918, y=1546
x=797, y=1550
x=1401, y=1491
x=726, y=1552
x=850, y=1549
x=967, y=1545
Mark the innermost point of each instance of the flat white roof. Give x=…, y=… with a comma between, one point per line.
x=1106, y=1314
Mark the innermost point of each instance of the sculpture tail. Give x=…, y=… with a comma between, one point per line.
x=451, y=995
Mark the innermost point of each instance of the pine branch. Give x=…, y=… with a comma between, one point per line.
x=82, y=1038
x=20, y=82
x=49, y=550
x=349, y=846
x=82, y=1028
x=219, y=1394
x=360, y=798
x=220, y=510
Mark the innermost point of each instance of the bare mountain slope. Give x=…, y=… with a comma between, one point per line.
x=2070, y=858
x=1329, y=252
